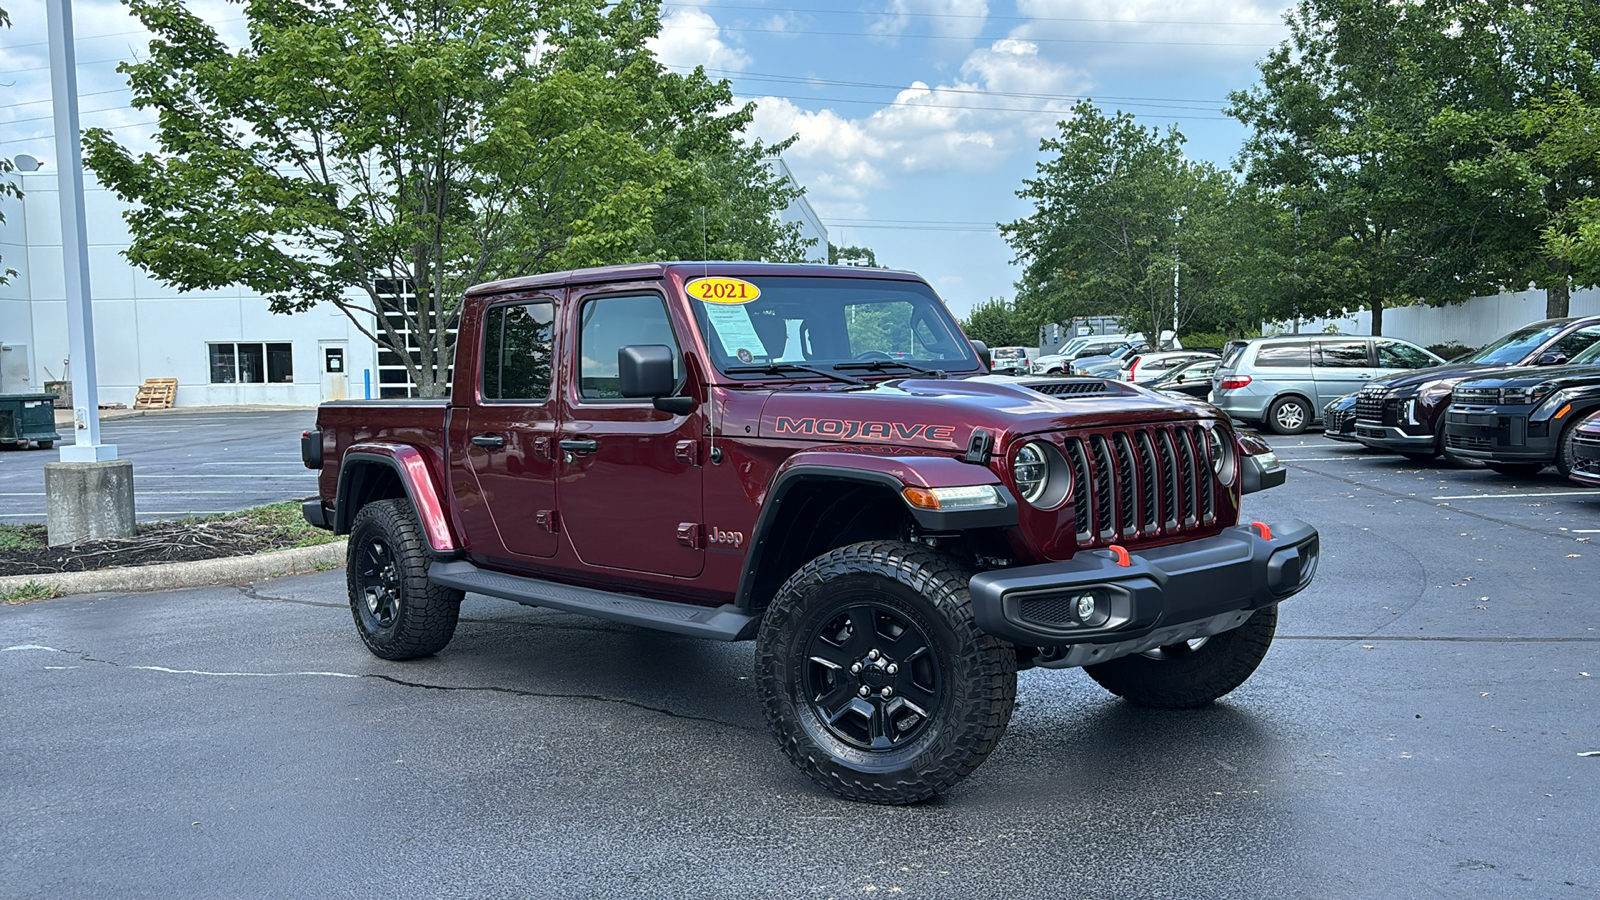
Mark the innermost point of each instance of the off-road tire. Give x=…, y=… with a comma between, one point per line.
x=925, y=590
x=1183, y=678
x=1515, y=470
x=398, y=613
x=1278, y=413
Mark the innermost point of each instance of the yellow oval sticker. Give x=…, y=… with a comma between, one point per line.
x=722, y=290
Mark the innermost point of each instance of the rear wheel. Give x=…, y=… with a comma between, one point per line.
x=1192, y=673
x=874, y=676
x=1564, y=448
x=1516, y=470
x=399, y=613
x=1289, y=415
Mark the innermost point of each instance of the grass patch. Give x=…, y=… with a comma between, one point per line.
x=21, y=537
x=284, y=521
x=28, y=592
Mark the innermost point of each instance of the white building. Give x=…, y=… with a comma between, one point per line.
x=223, y=346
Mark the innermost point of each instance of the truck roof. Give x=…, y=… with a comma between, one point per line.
x=656, y=270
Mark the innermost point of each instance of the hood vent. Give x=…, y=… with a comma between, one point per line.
x=1082, y=388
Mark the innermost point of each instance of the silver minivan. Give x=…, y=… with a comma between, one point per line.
x=1284, y=381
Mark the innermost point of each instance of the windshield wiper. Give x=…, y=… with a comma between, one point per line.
x=876, y=365
x=783, y=368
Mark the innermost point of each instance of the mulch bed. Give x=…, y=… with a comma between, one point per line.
x=160, y=542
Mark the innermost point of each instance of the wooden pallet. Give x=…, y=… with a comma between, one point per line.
x=156, y=393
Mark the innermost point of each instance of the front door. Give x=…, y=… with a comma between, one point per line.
x=510, y=432
x=335, y=378
x=631, y=480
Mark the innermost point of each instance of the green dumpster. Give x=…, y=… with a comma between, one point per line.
x=27, y=417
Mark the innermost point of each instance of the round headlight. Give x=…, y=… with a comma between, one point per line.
x=1220, y=447
x=1031, y=469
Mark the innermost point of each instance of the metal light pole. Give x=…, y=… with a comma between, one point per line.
x=89, y=493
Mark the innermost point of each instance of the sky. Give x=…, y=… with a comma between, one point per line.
x=917, y=120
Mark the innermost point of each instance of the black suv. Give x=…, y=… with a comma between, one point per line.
x=1405, y=413
x=1520, y=421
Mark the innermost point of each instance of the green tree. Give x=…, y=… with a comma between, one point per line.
x=354, y=152
x=1398, y=133
x=1118, y=213
x=851, y=256
x=1001, y=324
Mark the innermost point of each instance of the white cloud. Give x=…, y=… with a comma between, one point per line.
x=946, y=18
x=1155, y=35
x=961, y=126
x=690, y=37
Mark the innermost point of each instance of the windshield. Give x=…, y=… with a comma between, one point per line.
x=1514, y=347
x=827, y=321
x=1588, y=357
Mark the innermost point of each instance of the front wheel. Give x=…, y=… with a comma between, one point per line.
x=1290, y=415
x=874, y=676
x=1193, y=673
x=399, y=613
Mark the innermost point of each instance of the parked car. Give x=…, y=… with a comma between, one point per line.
x=1521, y=420
x=1106, y=366
x=1144, y=367
x=1404, y=413
x=1078, y=347
x=1008, y=361
x=1284, y=381
x=1192, y=378
x=733, y=451
x=1586, y=452
x=1339, y=418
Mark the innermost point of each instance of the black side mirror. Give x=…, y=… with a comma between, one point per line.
x=645, y=370
x=1553, y=358
x=983, y=354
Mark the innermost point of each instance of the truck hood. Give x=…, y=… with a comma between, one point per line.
x=1557, y=377
x=942, y=414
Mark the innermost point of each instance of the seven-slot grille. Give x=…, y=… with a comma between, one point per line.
x=1369, y=403
x=1141, y=482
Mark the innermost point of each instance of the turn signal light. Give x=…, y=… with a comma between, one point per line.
x=977, y=496
x=1234, y=382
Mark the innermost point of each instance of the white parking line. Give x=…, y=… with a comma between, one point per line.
x=1318, y=458
x=1515, y=496
x=257, y=477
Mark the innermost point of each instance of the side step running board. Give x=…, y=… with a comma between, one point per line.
x=724, y=623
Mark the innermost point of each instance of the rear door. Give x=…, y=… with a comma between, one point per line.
x=1341, y=366
x=511, y=428
x=631, y=475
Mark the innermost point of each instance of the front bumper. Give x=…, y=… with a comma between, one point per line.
x=1164, y=595
x=1389, y=437
x=1485, y=434
x=1586, y=459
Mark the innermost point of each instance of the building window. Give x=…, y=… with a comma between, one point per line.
x=252, y=363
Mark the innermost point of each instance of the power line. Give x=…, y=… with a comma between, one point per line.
x=862, y=12
x=1014, y=109
x=802, y=79
x=955, y=37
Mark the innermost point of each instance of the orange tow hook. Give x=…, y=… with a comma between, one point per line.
x=1121, y=554
x=1266, y=533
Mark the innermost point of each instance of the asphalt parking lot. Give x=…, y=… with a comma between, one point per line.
x=1424, y=727
x=185, y=463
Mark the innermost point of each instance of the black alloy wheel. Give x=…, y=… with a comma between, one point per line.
x=871, y=676
x=377, y=576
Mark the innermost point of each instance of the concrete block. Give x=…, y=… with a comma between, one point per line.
x=88, y=501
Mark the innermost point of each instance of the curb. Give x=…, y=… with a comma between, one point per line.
x=197, y=573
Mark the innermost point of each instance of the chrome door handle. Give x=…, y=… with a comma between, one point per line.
x=588, y=445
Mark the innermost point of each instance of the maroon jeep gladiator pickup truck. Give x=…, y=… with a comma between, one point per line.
x=815, y=458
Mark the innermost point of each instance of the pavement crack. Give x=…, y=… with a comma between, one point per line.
x=552, y=695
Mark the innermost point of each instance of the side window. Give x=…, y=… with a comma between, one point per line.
x=1284, y=356
x=609, y=323
x=1343, y=354
x=1576, y=342
x=1392, y=355
x=516, y=351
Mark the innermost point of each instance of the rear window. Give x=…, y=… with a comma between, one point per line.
x=1231, y=352
x=1284, y=356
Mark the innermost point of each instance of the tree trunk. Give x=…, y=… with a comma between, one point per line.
x=1557, y=298
x=1377, y=316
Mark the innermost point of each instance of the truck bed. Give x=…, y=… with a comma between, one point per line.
x=420, y=423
